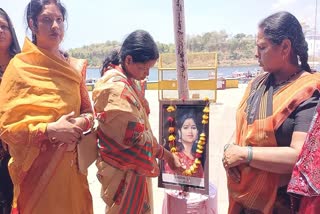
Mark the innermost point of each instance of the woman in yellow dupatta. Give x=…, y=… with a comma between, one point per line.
x=127, y=146
x=272, y=120
x=44, y=109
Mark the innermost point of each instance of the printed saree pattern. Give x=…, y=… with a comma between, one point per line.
x=305, y=180
x=38, y=89
x=126, y=145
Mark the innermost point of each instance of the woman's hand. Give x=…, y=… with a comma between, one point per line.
x=234, y=155
x=173, y=161
x=63, y=131
x=80, y=122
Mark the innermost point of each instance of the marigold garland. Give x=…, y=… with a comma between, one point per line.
x=201, y=142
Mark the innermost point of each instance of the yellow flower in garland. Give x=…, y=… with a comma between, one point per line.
x=203, y=135
x=201, y=142
x=171, y=108
x=205, y=117
x=199, y=146
x=206, y=110
x=171, y=129
x=171, y=137
x=173, y=149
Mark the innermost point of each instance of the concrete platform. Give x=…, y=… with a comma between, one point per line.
x=222, y=125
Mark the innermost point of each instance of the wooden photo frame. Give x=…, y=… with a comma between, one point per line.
x=187, y=122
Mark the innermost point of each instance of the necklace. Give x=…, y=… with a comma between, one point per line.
x=289, y=78
x=201, y=142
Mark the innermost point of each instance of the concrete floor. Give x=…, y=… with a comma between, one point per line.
x=222, y=125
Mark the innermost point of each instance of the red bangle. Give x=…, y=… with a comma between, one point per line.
x=87, y=124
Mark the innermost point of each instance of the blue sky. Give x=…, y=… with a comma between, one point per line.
x=96, y=21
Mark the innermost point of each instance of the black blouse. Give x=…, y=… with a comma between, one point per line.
x=299, y=120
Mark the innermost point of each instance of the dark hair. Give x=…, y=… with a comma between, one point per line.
x=180, y=122
x=14, y=46
x=138, y=44
x=284, y=25
x=35, y=7
x=112, y=58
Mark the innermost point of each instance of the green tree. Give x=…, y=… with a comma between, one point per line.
x=235, y=49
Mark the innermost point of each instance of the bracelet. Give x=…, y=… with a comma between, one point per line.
x=226, y=147
x=89, y=121
x=250, y=154
x=87, y=124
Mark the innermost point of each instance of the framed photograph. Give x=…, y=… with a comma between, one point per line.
x=184, y=130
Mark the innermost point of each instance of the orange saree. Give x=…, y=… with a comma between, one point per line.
x=126, y=145
x=260, y=113
x=37, y=89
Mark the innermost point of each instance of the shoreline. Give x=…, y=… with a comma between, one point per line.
x=219, y=66
x=236, y=64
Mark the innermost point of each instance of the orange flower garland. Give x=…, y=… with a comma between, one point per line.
x=201, y=142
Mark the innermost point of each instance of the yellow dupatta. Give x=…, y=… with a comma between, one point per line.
x=37, y=88
x=257, y=189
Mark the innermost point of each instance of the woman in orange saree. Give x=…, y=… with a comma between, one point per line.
x=272, y=120
x=44, y=108
x=127, y=146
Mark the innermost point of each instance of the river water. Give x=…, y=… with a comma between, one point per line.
x=94, y=73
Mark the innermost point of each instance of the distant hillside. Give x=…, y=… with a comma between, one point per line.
x=232, y=50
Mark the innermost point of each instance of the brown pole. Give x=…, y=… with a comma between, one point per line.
x=181, y=55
